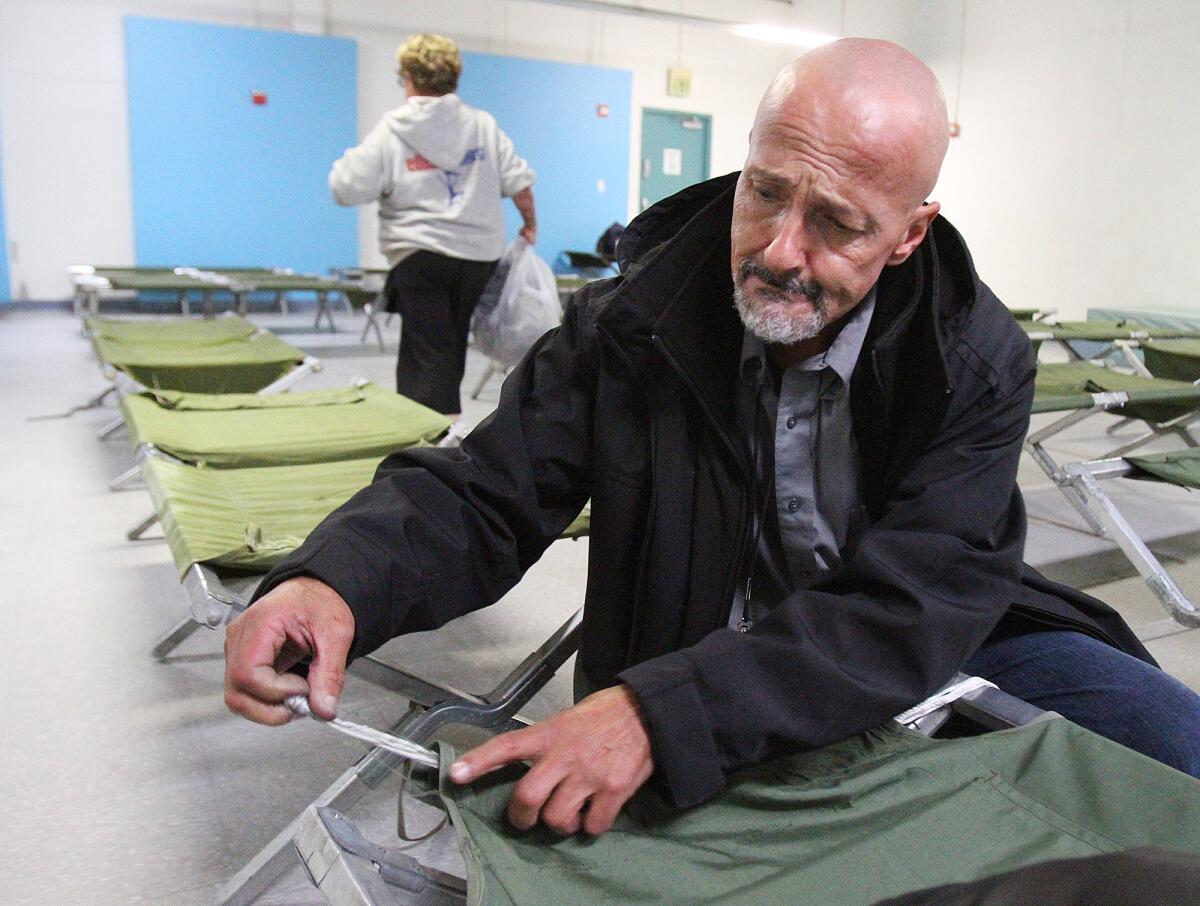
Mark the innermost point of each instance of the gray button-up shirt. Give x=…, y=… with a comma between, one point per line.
x=805, y=463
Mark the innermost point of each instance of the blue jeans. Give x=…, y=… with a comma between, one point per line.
x=1098, y=687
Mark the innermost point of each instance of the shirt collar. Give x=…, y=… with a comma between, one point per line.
x=841, y=356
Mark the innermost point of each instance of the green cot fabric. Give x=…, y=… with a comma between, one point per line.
x=878, y=815
x=161, y=281
x=1025, y=314
x=1099, y=331
x=1064, y=386
x=247, y=519
x=240, y=430
x=1181, y=467
x=220, y=355
x=1154, y=318
x=1178, y=360
x=268, y=282
x=581, y=525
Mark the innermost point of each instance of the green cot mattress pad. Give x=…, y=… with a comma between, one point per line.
x=220, y=355
x=1065, y=386
x=883, y=813
x=242, y=429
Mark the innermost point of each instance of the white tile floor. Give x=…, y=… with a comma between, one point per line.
x=125, y=780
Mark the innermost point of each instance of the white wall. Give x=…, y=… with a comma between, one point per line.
x=64, y=111
x=1074, y=180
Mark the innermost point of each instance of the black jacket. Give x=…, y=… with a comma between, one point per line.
x=631, y=403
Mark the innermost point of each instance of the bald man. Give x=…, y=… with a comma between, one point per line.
x=798, y=414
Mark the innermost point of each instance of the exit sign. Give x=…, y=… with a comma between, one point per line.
x=679, y=82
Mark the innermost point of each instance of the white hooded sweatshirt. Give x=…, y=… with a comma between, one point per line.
x=438, y=168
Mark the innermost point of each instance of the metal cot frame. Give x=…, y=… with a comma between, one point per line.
x=349, y=870
x=1079, y=483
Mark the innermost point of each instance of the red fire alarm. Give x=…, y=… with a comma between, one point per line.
x=258, y=98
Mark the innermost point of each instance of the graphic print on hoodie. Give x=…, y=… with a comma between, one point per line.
x=438, y=168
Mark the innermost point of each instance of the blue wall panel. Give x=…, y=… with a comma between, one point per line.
x=549, y=111
x=5, y=292
x=218, y=180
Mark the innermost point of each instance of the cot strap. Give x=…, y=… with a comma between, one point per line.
x=386, y=741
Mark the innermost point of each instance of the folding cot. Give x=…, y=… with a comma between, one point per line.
x=226, y=527
x=353, y=292
x=227, y=354
x=242, y=429
x=1102, y=336
x=93, y=284
x=237, y=283
x=370, y=297
x=252, y=429
x=236, y=523
x=880, y=814
x=1080, y=390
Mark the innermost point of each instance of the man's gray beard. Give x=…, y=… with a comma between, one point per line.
x=777, y=321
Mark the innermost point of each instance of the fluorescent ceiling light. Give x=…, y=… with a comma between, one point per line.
x=779, y=35
x=776, y=34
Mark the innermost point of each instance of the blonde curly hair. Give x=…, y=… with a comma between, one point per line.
x=431, y=61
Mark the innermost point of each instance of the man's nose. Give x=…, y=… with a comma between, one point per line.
x=788, y=249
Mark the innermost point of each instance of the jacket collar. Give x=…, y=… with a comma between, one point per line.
x=677, y=292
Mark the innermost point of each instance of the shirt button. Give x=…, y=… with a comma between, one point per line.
x=791, y=422
x=793, y=505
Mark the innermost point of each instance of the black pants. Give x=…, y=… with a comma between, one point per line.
x=434, y=296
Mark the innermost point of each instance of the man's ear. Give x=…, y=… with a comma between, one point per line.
x=917, y=228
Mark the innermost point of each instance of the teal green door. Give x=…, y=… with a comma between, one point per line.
x=674, y=152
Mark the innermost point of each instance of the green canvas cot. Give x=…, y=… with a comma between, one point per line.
x=1063, y=386
x=218, y=355
x=249, y=519
x=883, y=813
x=1175, y=359
x=1180, y=467
x=245, y=429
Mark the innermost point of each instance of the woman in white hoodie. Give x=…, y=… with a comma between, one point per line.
x=439, y=169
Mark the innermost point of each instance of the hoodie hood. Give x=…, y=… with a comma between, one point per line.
x=440, y=129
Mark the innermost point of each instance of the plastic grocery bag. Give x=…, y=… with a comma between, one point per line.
x=519, y=304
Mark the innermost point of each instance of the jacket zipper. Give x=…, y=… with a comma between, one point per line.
x=730, y=583
x=644, y=551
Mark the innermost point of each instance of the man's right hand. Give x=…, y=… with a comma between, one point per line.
x=299, y=618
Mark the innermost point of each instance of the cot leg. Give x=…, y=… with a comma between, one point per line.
x=246, y=886
x=372, y=324
x=124, y=478
x=174, y=637
x=111, y=428
x=1168, y=593
x=1055, y=473
x=492, y=368
x=142, y=527
x=324, y=311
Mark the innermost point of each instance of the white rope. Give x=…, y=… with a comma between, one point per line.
x=947, y=695
x=386, y=741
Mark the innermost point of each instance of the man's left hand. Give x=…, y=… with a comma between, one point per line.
x=587, y=762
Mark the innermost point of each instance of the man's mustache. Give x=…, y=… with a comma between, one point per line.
x=789, y=282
